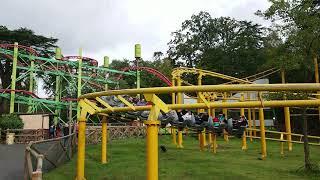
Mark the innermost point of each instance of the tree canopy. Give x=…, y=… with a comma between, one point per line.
x=297, y=25
x=221, y=44
x=43, y=45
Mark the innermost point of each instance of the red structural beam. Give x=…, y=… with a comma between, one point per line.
x=155, y=72
x=19, y=91
x=26, y=48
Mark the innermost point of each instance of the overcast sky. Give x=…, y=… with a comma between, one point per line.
x=105, y=27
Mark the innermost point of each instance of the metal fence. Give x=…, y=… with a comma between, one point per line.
x=93, y=133
x=23, y=136
x=42, y=156
x=45, y=155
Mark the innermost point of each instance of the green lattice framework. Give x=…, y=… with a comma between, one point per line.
x=81, y=74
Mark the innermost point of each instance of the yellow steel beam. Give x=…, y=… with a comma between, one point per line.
x=182, y=70
x=93, y=105
x=251, y=104
x=105, y=104
x=104, y=140
x=126, y=102
x=157, y=101
x=203, y=99
x=210, y=88
x=86, y=107
x=81, y=144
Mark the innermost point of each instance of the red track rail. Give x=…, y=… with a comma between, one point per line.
x=155, y=72
x=26, y=48
x=20, y=91
x=25, y=92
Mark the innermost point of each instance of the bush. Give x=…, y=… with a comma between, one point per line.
x=10, y=121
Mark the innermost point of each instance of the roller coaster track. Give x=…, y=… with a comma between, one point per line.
x=155, y=72
x=182, y=70
x=26, y=48
x=259, y=75
x=31, y=94
x=30, y=60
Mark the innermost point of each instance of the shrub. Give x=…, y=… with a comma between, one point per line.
x=10, y=121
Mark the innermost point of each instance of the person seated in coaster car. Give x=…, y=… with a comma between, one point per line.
x=241, y=125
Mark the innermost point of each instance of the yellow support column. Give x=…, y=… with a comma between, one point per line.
x=198, y=95
x=225, y=136
x=152, y=149
x=287, y=116
x=254, y=122
x=225, y=110
x=262, y=135
x=180, y=95
x=81, y=145
x=244, y=141
x=204, y=137
x=214, y=143
x=210, y=140
x=249, y=120
x=104, y=140
x=174, y=136
x=288, y=126
x=213, y=113
x=242, y=109
x=213, y=110
x=281, y=145
x=173, y=95
x=202, y=143
x=179, y=138
x=152, y=135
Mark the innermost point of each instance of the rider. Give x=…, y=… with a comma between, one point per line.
x=222, y=118
x=243, y=121
x=216, y=122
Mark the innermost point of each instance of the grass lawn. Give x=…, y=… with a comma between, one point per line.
x=126, y=160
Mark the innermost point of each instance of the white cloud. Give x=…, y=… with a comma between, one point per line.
x=105, y=27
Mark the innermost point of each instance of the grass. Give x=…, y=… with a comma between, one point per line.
x=126, y=160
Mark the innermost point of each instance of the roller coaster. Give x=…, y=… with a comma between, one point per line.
x=78, y=80
x=70, y=75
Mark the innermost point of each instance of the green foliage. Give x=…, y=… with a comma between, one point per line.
x=26, y=37
x=287, y=95
x=297, y=22
x=147, y=79
x=10, y=121
x=220, y=44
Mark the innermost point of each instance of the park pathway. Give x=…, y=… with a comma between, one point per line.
x=11, y=161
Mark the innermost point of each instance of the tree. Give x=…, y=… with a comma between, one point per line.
x=126, y=81
x=10, y=121
x=220, y=44
x=147, y=80
x=298, y=24
x=26, y=37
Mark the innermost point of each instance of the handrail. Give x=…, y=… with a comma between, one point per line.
x=283, y=140
x=209, y=88
x=277, y=132
x=181, y=70
x=37, y=174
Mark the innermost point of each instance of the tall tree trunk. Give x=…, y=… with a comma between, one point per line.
x=307, y=164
